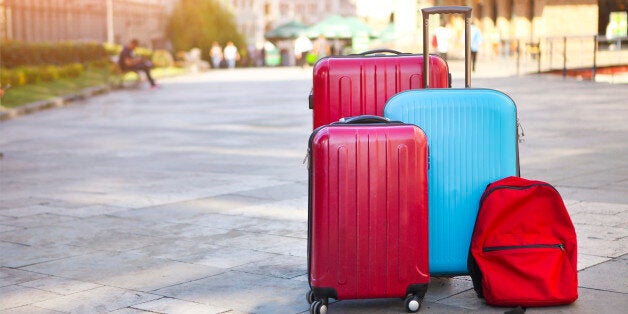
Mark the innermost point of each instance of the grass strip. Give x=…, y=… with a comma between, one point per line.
x=21, y=95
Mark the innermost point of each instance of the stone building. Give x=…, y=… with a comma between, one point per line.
x=84, y=20
x=540, y=20
x=500, y=20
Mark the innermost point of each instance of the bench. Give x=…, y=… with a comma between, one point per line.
x=120, y=78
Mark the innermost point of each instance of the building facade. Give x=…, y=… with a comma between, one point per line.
x=500, y=20
x=121, y=20
x=84, y=20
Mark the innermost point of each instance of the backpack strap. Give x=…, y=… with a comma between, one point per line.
x=476, y=275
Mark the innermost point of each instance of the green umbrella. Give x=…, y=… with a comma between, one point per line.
x=358, y=27
x=288, y=30
x=334, y=26
x=387, y=34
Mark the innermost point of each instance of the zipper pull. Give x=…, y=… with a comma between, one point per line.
x=429, y=159
x=307, y=158
x=520, y=132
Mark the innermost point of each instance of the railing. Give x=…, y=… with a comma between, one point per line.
x=570, y=53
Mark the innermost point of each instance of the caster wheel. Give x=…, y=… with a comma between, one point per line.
x=413, y=303
x=318, y=307
x=310, y=296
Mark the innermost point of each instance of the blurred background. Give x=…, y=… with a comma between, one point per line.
x=46, y=40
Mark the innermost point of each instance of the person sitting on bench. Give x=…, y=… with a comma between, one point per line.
x=129, y=62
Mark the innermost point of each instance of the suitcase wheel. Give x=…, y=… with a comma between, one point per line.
x=318, y=307
x=310, y=297
x=413, y=303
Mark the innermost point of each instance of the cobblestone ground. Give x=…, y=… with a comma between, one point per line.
x=193, y=198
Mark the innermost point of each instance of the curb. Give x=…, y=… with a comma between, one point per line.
x=10, y=113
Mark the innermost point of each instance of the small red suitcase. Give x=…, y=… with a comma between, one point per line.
x=346, y=86
x=367, y=230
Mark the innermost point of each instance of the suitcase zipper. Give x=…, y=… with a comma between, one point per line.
x=527, y=246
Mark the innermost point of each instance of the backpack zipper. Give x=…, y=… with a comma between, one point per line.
x=526, y=246
x=512, y=187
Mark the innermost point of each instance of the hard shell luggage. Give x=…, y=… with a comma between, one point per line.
x=472, y=135
x=345, y=86
x=367, y=225
x=524, y=248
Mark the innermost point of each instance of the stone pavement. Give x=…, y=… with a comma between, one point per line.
x=193, y=198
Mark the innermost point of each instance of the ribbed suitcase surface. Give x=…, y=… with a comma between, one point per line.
x=472, y=135
x=360, y=85
x=368, y=211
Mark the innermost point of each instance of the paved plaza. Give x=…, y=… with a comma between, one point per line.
x=193, y=198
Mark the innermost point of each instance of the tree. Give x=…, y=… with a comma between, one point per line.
x=198, y=23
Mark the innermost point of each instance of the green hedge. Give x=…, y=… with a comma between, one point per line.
x=15, y=54
x=23, y=75
x=115, y=49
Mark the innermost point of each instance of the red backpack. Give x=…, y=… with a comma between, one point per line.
x=523, y=249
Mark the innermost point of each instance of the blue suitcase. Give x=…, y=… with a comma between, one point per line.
x=472, y=139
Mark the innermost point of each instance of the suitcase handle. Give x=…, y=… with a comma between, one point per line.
x=364, y=119
x=370, y=52
x=466, y=11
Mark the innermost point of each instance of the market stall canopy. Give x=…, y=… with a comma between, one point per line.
x=288, y=30
x=336, y=26
x=359, y=27
x=388, y=34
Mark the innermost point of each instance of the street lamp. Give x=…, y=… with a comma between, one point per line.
x=110, y=21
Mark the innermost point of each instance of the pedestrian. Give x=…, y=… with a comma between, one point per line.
x=443, y=34
x=231, y=55
x=129, y=62
x=215, y=54
x=476, y=40
x=251, y=54
x=321, y=47
x=302, y=46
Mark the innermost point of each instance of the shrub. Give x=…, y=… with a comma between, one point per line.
x=72, y=70
x=144, y=53
x=15, y=54
x=112, y=49
x=100, y=64
x=13, y=77
x=35, y=74
x=211, y=21
x=115, y=49
x=49, y=73
x=162, y=58
x=90, y=52
x=32, y=74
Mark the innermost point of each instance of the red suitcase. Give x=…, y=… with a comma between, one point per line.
x=346, y=86
x=367, y=230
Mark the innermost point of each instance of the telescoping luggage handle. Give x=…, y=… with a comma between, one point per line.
x=466, y=11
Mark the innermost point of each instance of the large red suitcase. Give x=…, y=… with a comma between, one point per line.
x=367, y=212
x=346, y=86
